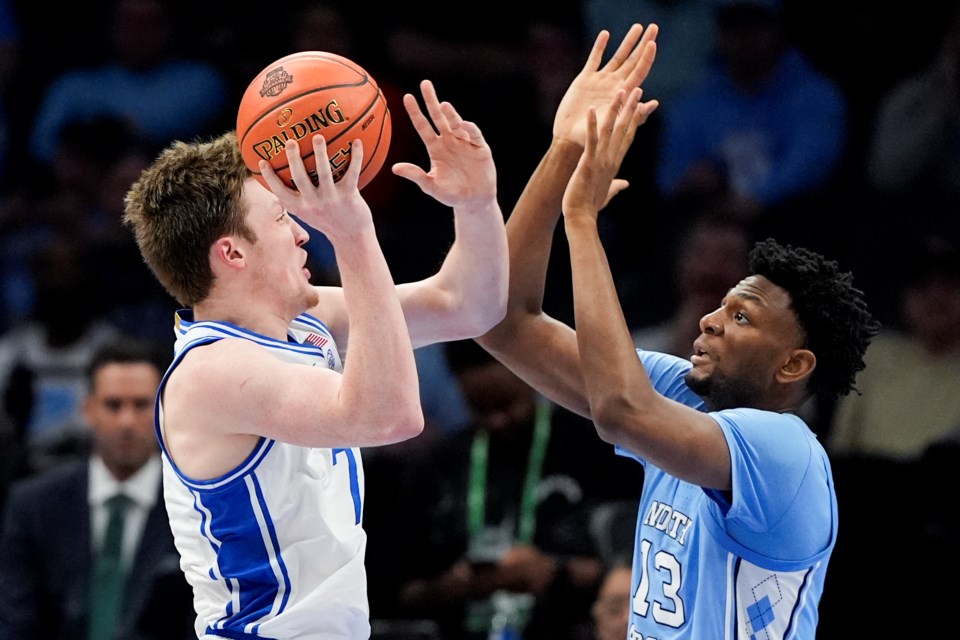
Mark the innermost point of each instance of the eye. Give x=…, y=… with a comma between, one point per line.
x=740, y=317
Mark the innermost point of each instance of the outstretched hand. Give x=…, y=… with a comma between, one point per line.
x=608, y=137
x=596, y=85
x=461, y=163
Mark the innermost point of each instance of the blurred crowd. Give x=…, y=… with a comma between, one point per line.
x=833, y=126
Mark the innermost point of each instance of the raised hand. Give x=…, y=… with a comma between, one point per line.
x=335, y=208
x=461, y=163
x=608, y=137
x=596, y=85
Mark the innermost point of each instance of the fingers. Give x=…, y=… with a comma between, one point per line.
x=297, y=171
x=636, y=54
x=627, y=46
x=592, y=140
x=596, y=53
x=646, y=54
x=433, y=105
x=644, y=109
x=460, y=128
x=474, y=135
x=420, y=123
x=352, y=175
x=274, y=182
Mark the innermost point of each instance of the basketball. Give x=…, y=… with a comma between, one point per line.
x=312, y=92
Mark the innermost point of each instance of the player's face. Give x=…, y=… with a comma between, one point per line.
x=278, y=258
x=119, y=412
x=743, y=344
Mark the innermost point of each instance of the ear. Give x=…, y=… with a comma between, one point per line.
x=228, y=252
x=799, y=365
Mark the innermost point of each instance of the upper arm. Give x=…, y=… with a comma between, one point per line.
x=658, y=418
x=684, y=442
x=432, y=313
x=543, y=352
x=235, y=387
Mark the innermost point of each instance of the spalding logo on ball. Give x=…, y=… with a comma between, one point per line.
x=307, y=93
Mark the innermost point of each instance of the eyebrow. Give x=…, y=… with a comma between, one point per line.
x=752, y=297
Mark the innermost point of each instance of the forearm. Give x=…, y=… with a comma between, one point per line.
x=380, y=384
x=475, y=272
x=530, y=230
x=538, y=348
x=611, y=371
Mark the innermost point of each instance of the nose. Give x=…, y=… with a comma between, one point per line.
x=710, y=323
x=300, y=234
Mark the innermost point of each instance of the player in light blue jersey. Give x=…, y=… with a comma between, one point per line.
x=262, y=414
x=738, y=513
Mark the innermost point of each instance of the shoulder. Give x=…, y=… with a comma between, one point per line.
x=744, y=418
x=666, y=373
x=767, y=436
x=217, y=358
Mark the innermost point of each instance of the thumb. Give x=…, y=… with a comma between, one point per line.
x=616, y=186
x=411, y=172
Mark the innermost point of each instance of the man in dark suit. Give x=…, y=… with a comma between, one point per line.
x=68, y=568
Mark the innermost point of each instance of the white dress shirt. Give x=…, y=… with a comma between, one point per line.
x=141, y=488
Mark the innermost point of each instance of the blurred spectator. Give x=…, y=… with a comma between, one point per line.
x=684, y=46
x=710, y=256
x=913, y=162
x=43, y=358
x=764, y=127
x=57, y=526
x=496, y=518
x=611, y=609
x=916, y=141
x=444, y=406
x=909, y=389
x=83, y=199
x=133, y=299
x=146, y=81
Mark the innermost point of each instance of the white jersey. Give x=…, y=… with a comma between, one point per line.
x=274, y=548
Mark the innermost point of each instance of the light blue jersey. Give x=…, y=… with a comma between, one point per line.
x=748, y=565
x=275, y=548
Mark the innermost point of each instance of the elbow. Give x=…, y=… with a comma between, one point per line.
x=491, y=309
x=485, y=316
x=612, y=416
x=405, y=424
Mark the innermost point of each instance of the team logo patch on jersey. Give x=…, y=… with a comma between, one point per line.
x=316, y=339
x=331, y=361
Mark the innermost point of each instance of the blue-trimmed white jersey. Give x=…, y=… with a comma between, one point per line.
x=708, y=568
x=275, y=548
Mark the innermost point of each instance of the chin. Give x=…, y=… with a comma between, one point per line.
x=699, y=382
x=310, y=297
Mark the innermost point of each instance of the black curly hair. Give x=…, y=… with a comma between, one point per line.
x=832, y=312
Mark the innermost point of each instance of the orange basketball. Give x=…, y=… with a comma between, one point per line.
x=312, y=92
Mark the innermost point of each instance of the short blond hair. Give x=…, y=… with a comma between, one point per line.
x=186, y=199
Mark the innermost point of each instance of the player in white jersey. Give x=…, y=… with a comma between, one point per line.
x=260, y=420
x=738, y=513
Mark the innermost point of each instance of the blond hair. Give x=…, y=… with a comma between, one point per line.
x=186, y=199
